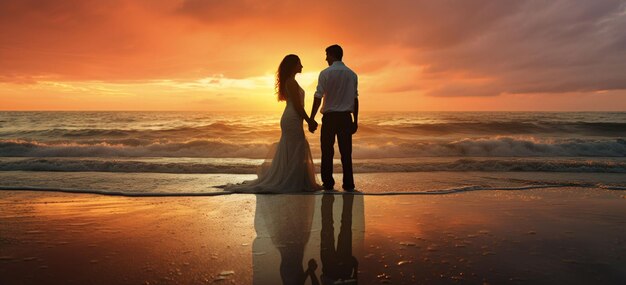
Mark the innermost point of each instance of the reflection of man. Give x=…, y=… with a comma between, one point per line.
x=339, y=263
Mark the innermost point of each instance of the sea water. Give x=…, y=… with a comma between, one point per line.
x=193, y=153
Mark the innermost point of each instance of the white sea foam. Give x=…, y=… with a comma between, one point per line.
x=112, y=192
x=194, y=148
x=219, y=192
x=360, y=166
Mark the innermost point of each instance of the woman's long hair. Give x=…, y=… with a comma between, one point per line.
x=285, y=69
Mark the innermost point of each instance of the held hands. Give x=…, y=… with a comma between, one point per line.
x=312, y=126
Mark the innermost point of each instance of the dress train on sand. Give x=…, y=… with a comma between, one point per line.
x=289, y=167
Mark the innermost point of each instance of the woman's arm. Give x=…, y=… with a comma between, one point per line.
x=293, y=94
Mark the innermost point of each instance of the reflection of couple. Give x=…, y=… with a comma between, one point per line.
x=284, y=224
x=291, y=168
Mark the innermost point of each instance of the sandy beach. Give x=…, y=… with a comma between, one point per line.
x=537, y=236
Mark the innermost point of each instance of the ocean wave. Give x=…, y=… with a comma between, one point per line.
x=82, y=165
x=217, y=129
x=469, y=147
x=374, y=127
x=512, y=127
x=495, y=147
x=489, y=165
x=194, y=148
x=499, y=165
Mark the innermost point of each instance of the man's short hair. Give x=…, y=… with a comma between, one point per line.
x=335, y=51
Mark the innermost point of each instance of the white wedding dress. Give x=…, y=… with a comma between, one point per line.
x=289, y=167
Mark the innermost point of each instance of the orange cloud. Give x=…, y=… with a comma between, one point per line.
x=424, y=52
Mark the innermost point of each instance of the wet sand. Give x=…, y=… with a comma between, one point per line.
x=537, y=236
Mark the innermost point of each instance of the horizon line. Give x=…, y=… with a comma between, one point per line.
x=360, y=111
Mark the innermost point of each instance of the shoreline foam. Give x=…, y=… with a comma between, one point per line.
x=359, y=193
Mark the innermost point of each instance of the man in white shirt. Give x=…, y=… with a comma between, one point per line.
x=338, y=85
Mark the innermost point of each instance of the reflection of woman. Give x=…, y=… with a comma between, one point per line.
x=290, y=168
x=283, y=223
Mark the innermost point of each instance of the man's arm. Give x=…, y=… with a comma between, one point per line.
x=317, y=97
x=355, y=114
x=319, y=93
x=316, y=105
x=355, y=124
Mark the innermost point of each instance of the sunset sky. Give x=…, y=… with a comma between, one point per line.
x=413, y=55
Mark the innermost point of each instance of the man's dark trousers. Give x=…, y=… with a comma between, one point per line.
x=337, y=124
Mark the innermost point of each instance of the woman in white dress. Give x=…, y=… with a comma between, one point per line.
x=289, y=167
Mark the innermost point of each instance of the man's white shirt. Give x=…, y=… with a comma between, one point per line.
x=338, y=85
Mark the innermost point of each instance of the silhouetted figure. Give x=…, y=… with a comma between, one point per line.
x=337, y=263
x=338, y=85
x=283, y=223
x=289, y=167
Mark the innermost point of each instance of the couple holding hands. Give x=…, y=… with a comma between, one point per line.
x=289, y=167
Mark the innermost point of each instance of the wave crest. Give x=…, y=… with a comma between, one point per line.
x=475, y=147
x=495, y=147
x=250, y=167
x=133, y=148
